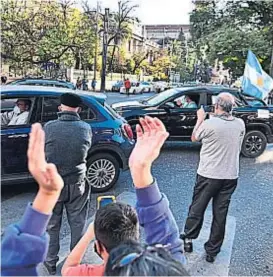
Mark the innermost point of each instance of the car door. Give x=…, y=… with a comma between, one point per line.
x=14, y=144
x=183, y=120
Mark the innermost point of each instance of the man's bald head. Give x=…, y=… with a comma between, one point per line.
x=225, y=102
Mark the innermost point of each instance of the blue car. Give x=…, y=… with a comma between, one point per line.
x=112, y=136
x=43, y=82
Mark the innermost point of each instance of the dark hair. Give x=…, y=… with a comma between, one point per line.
x=114, y=224
x=26, y=101
x=134, y=259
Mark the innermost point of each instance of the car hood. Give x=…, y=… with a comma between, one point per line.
x=127, y=104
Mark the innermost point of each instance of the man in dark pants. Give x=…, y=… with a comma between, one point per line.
x=222, y=136
x=67, y=142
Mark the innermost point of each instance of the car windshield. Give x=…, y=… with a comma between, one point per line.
x=159, y=98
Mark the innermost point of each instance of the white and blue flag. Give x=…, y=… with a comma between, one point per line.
x=256, y=82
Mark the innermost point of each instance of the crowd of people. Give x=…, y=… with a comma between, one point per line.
x=57, y=161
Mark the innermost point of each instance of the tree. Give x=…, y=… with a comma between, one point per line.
x=159, y=68
x=52, y=31
x=120, y=26
x=138, y=60
x=228, y=29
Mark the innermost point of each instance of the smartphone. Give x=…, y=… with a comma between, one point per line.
x=105, y=200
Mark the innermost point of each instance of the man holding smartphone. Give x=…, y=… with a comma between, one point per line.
x=221, y=136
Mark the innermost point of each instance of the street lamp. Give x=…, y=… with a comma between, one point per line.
x=105, y=47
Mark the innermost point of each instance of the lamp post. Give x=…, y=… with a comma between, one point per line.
x=105, y=47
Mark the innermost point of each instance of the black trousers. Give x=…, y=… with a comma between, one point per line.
x=75, y=199
x=220, y=192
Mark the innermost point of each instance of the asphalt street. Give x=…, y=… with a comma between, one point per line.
x=248, y=250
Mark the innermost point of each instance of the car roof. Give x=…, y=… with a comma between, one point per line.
x=40, y=90
x=212, y=89
x=41, y=80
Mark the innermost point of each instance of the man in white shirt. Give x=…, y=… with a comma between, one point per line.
x=19, y=115
x=186, y=102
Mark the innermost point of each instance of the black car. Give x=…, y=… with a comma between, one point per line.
x=180, y=122
x=112, y=140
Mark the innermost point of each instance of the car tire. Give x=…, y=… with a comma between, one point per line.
x=107, y=167
x=254, y=144
x=134, y=92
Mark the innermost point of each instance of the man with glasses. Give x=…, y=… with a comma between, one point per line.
x=19, y=115
x=221, y=136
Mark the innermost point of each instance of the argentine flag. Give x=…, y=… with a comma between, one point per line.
x=256, y=82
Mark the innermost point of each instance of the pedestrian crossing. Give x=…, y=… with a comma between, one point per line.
x=13, y=209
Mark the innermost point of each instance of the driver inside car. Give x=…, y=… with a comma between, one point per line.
x=19, y=115
x=185, y=102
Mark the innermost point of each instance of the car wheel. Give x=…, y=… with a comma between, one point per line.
x=134, y=92
x=254, y=144
x=102, y=172
x=149, y=90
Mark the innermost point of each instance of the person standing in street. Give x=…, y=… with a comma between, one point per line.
x=79, y=83
x=67, y=142
x=221, y=136
x=127, y=85
x=93, y=84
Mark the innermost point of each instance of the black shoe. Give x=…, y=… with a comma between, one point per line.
x=210, y=259
x=188, y=247
x=51, y=269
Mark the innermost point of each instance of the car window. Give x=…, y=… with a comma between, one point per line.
x=188, y=101
x=87, y=113
x=161, y=97
x=16, y=111
x=211, y=100
x=49, y=108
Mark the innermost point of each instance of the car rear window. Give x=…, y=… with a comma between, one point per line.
x=111, y=111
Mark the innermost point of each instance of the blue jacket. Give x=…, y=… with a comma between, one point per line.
x=25, y=244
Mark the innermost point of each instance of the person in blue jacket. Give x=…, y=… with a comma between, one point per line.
x=24, y=244
x=22, y=257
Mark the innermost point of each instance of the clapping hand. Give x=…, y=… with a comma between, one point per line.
x=49, y=181
x=150, y=139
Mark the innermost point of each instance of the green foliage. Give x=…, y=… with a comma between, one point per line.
x=51, y=31
x=226, y=30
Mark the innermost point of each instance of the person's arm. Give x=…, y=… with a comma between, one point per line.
x=201, y=115
x=153, y=207
x=6, y=117
x=75, y=257
x=24, y=245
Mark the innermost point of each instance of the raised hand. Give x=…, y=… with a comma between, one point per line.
x=45, y=174
x=150, y=139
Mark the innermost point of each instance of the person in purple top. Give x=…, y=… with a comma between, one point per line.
x=23, y=249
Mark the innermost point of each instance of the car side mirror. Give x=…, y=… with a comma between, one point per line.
x=168, y=105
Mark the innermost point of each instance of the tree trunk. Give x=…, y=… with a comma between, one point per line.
x=112, y=58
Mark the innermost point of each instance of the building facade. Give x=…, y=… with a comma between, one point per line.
x=139, y=43
x=157, y=33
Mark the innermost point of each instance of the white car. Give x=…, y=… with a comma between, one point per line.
x=138, y=87
x=160, y=86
